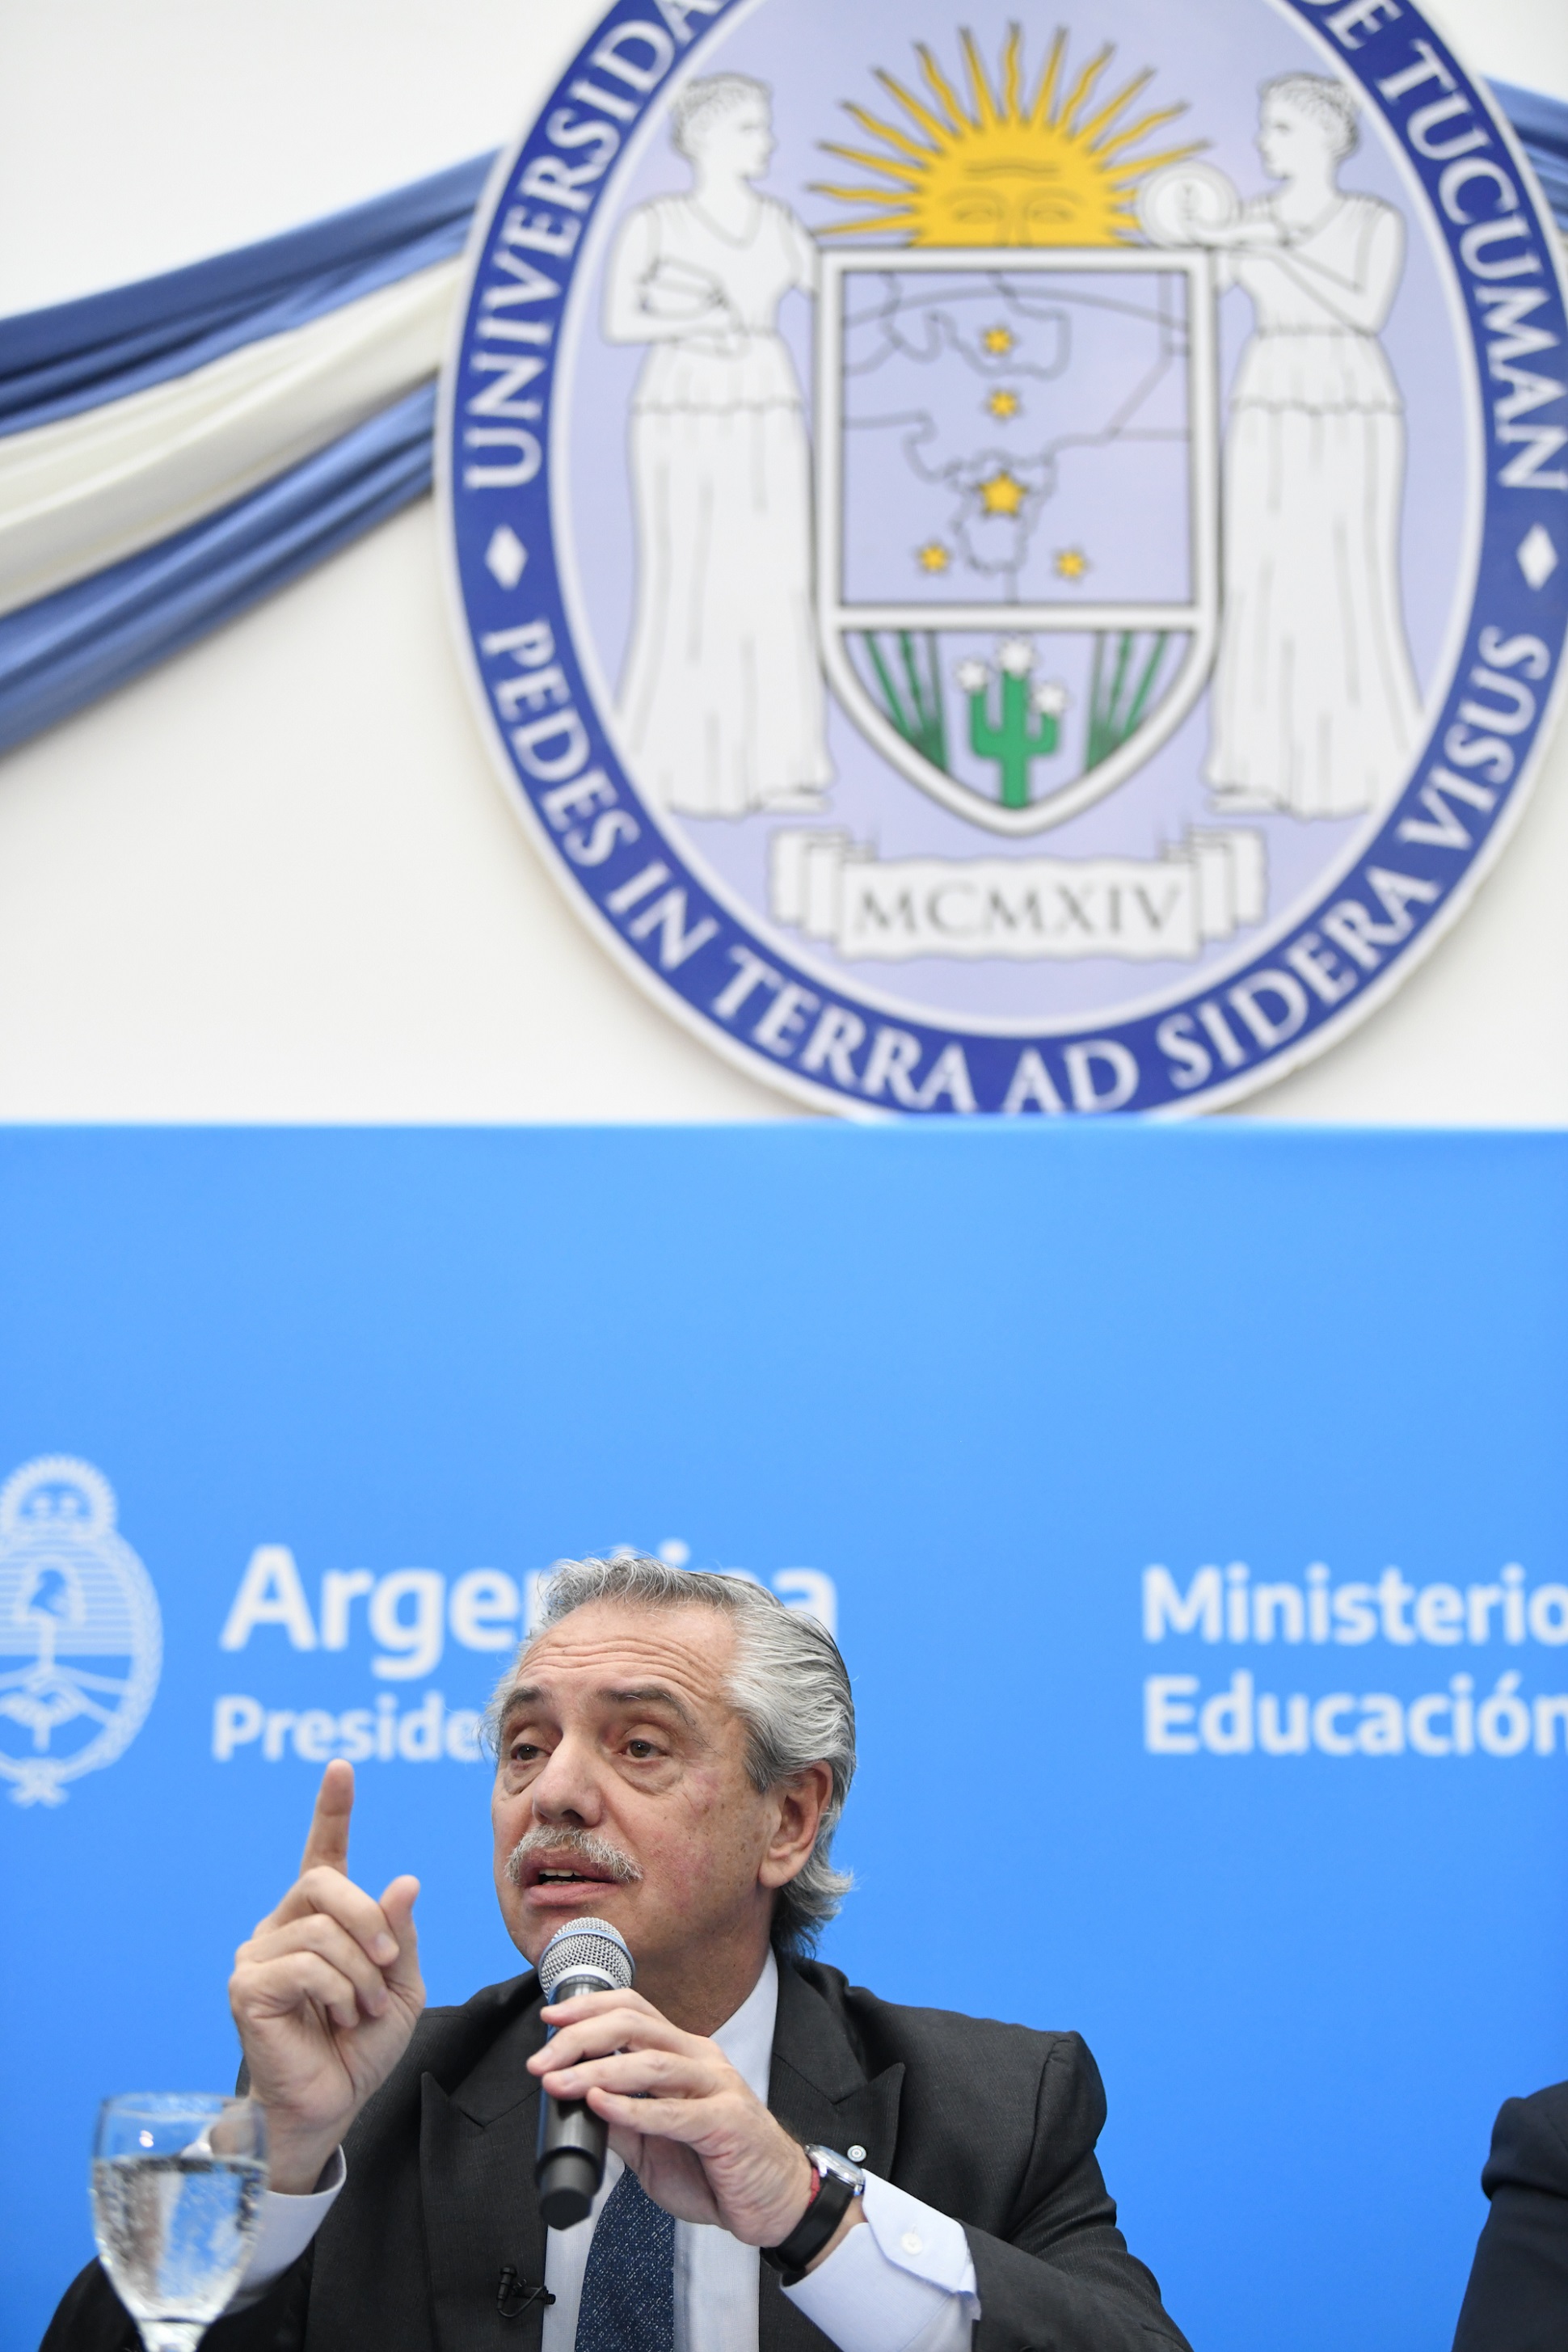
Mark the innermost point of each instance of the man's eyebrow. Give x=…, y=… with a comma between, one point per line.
x=525, y=1695
x=652, y=1694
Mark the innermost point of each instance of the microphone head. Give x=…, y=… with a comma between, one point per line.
x=585, y=1948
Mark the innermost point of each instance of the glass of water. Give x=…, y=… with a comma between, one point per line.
x=177, y=2183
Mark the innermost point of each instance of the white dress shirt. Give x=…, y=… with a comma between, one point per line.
x=905, y=2282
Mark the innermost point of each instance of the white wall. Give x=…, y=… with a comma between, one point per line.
x=277, y=879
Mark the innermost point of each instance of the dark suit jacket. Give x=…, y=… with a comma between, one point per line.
x=1517, y=2300
x=993, y=2124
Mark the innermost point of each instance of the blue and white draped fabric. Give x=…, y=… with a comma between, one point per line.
x=170, y=452
x=1540, y=124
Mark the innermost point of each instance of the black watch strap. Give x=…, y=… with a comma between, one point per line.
x=811, y=2232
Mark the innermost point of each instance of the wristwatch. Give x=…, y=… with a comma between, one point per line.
x=840, y=2183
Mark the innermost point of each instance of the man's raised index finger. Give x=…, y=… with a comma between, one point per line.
x=327, y=1846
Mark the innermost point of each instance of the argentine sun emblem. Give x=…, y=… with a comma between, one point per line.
x=80, y=1639
x=1015, y=572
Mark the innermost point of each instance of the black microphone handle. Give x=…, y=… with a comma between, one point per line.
x=570, y=2165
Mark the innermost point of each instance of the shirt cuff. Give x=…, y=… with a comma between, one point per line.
x=288, y=2226
x=905, y=2282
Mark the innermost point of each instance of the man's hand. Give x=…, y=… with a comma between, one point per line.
x=701, y=2143
x=325, y=1994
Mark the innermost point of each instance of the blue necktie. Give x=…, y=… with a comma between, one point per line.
x=628, y=2287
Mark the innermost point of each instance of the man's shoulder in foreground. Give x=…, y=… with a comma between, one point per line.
x=1516, y=2299
x=1530, y=2144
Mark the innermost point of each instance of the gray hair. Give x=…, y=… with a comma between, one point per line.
x=788, y=1684
x=1326, y=103
x=701, y=104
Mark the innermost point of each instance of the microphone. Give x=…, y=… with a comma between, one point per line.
x=585, y=1956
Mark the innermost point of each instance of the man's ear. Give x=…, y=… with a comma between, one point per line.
x=801, y=1801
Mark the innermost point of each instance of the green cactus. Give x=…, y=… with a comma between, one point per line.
x=1014, y=743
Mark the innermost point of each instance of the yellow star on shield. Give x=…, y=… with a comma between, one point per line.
x=1071, y=563
x=934, y=557
x=1003, y=494
x=998, y=342
x=1004, y=404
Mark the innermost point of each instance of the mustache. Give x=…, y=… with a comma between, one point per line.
x=585, y=1844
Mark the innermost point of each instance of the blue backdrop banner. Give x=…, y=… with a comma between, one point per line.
x=1190, y=1505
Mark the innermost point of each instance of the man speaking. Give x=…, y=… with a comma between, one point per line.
x=791, y=2162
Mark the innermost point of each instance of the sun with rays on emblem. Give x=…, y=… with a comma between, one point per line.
x=1003, y=168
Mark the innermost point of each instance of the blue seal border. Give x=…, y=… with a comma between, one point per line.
x=631, y=881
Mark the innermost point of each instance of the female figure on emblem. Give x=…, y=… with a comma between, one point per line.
x=1315, y=702
x=722, y=702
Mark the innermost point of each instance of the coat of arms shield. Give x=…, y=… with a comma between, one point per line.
x=1017, y=498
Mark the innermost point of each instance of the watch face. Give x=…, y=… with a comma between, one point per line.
x=829, y=2161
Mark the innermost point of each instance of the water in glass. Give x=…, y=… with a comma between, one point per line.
x=177, y=2183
